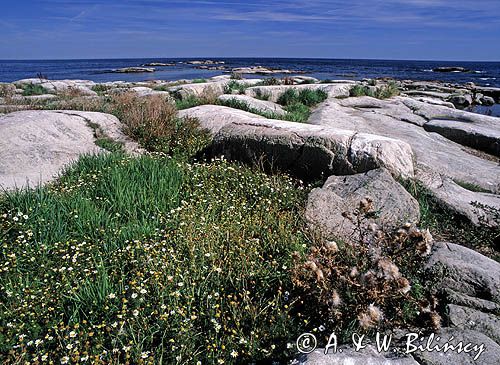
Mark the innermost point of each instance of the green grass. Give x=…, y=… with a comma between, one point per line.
x=31, y=89
x=199, y=81
x=448, y=226
x=381, y=92
x=471, y=187
x=262, y=95
x=150, y=260
x=101, y=89
x=306, y=97
x=235, y=86
x=189, y=102
x=297, y=112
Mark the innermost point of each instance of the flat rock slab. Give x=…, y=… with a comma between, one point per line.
x=393, y=204
x=478, y=207
x=467, y=271
x=481, y=137
x=261, y=106
x=37, y=145
x=471, y=319
x=274, y=92
x=310, y=151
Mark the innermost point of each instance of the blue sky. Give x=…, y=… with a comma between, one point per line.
x=383, y=29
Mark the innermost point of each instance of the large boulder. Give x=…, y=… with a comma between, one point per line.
x=261, y=106
x=311, y=151
x=37, y=145
x=185, y=91
x=326, y=206
x=274, y=92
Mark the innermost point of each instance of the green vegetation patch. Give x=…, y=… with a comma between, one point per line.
x=448, y=226
x=380, y=92
x=33, y=89
x=306, y=97
x=150, y=260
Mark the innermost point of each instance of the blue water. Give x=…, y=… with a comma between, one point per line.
x=485, y=73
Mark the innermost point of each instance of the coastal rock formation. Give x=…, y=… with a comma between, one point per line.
x=133, y=70
x=259, y=70
x=451, y=69
x=467, y=272
x=37, y=145
x=305, y=149
x=259, y=105
x=206, y=89
x=76, y=87
x=470, y=288
x=341, y=195
x=158, y=64
x=205, y=62
x=441, y=164
x=274, y=92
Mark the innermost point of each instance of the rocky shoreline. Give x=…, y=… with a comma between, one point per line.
x=363, y=140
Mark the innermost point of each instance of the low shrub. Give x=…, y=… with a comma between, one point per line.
x=153, y=121
x=375, y=282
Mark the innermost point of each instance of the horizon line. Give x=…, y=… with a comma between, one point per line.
x=242, y=57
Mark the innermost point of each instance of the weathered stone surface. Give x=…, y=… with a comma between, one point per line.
x=481, y=137
x=348, y=356
x=453, y=336
x=274, y=92
x=305, y=149
x=80, y=87
x=493, y=92
x=468, y=204
x=259, y=105
x=471, y=319
x=435, y=102
x=486, y=100
x=402, y=118
x=431, y=94
x=467, y=271
x=461, y=101
x=393, y=204
x=37, y=145
x=214, y=89
x=454, y=297
x=142, y=91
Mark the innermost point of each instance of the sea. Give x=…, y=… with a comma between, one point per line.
x=98, y=70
